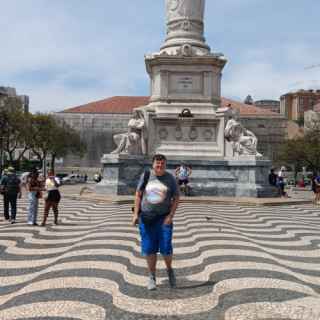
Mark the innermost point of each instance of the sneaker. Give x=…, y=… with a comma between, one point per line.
x=30, y=223
x=13, y=221
x=35, y=224
x=172, y=278
x=152, y=283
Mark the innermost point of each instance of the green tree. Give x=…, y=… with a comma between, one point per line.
x=53, y=139
x=68, y=141
x=303, y=151
x=43, y=128
x=300, y=121
x=13, y=127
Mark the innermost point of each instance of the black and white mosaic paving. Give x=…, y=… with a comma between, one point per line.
x=232, y=263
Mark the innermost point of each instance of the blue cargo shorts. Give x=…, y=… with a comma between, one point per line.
x=156, y=237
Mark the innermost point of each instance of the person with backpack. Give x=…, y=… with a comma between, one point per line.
x=156, y=200
x=4, y=194
x=52, y=198
x=10, y=186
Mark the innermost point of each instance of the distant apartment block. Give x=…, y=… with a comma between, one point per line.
x=294, y=104
x=11, y=92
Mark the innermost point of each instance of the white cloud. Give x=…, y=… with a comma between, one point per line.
x=267, y=75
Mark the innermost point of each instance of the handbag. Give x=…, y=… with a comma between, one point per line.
x=39, y=195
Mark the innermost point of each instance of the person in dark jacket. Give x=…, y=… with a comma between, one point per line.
x=10, y=186
x=272, y=178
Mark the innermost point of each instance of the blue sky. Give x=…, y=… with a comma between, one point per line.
x=64, y=53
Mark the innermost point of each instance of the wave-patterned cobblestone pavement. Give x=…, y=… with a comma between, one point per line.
x=231, y=262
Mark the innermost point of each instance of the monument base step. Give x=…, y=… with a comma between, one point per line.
x=225, y=178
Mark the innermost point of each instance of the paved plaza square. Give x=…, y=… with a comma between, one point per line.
x=232, y=262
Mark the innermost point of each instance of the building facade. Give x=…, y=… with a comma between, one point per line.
x=11, y=92
x=99, y=121
x=293, y=105
x=272, y=105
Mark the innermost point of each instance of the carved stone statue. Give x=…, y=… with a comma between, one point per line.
x=133, y=141
x=185, y=9
x=244, y=142
x=184, y=19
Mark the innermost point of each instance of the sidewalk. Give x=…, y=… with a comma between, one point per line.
x=87, y=193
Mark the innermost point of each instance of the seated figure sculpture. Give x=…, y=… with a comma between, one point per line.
x=244, y=142
x=132, y=142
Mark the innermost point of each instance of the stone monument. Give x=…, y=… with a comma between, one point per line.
x=184, y=120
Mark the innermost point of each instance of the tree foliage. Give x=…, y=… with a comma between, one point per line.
x=13, y=127
x=67, y=140
x=303, y=151
x=53, y=138
x=42, y=133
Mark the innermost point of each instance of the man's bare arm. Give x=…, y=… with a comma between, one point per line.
x=174, y=206
x=137, y=204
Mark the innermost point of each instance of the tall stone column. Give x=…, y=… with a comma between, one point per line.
x=184, y=20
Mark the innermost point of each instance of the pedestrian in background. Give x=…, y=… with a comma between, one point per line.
x=183, y=173
x=10, y=186
x=52, y=198
x=4, y=194
x=34, y=188
x=315, y=183
x=272, y=178
x=281, y=182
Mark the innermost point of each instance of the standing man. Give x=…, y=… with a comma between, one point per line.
x=182, y=173
x=280, y=181
x=10, y=184
x=156, y=201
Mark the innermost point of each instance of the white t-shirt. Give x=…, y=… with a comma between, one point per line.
x=51, y=184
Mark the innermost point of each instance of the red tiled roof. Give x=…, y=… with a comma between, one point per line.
x=117, y=104
x=246, y=109
x=125, y=104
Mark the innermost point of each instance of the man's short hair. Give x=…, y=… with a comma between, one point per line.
x=159, y=157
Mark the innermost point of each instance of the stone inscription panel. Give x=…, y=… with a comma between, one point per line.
x=187, y=131
x=186, y=83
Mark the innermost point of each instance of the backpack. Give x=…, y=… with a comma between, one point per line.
x=12, y=184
